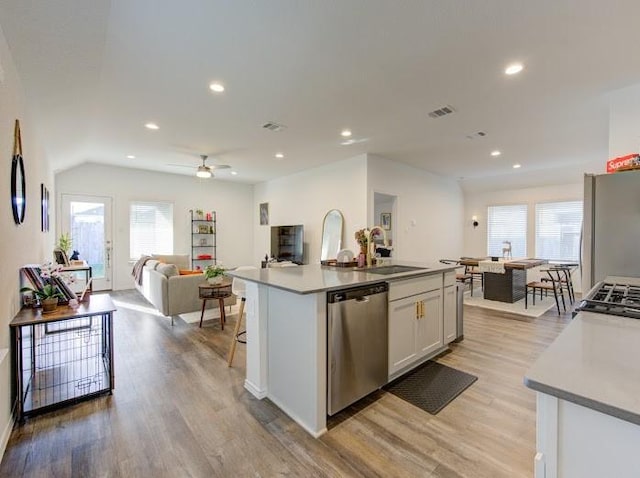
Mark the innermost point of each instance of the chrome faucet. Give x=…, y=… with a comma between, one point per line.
x=370, y=242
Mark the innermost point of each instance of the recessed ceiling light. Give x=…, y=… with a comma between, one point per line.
x=279, y=155
x=131, y=156
x=516, y=166
x=217, y=87
x=234, y=173
x=346, y=133
x=151, y=126
x=513, y=69
x=495, y=153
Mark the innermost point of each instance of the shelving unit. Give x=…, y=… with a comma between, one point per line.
x=203, y=240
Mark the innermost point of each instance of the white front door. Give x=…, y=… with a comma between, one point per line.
x=88, y=220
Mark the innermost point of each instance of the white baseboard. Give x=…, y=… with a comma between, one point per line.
x=255, y=391
x=4, y=439
x=308, y=428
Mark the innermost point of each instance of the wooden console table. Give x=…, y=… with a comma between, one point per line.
x=64, y=356
x=507, y=287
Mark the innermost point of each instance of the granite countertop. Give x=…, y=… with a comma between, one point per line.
x=594, y=362
x=316, y=278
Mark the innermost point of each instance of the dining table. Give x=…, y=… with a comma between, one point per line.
x=504, y=279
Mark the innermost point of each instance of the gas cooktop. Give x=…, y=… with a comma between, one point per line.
x=613, y=299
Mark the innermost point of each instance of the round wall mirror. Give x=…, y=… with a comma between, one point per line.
x=331, y=235
x=18, y=183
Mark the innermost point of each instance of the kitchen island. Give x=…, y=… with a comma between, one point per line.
x=588, y=399
x=504, y=281
x=287, y=330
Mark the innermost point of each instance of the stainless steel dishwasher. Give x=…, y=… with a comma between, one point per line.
x=357, y=344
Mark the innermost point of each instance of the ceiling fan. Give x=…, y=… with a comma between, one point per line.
x=204, y=171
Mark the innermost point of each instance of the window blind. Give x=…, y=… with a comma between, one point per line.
x=558, y=227
x=150, y=228
x=507, y=223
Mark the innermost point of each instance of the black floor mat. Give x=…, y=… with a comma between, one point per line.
x=431, y=387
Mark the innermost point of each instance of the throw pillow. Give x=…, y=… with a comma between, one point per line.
x=185, y=272
x=152, y=264
x=169, y=270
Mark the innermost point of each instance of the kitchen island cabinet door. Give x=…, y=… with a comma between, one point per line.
x=449, y=314
x=429, y=326
x=403, y=323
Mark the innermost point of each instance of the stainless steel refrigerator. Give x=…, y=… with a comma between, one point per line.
x=611, y=229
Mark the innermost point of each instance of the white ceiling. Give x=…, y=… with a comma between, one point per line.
x=95, y=71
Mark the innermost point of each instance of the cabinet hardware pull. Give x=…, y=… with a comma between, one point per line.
x=422, y=309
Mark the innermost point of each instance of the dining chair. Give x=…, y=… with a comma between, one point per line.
x=239, y=288
x=565, y=278
x=551, y=283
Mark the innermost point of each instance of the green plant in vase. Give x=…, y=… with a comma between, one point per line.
x=48, y=296
x=65, y=242
x=214, y=273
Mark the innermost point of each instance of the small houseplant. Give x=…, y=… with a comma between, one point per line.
x=65, y=242
x=48, y=296
x=214, y=273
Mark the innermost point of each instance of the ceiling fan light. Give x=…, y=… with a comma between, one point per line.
x=203, y=172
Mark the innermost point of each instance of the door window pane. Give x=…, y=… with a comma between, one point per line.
x=150, y=228
x=87, y=234
x=507, y=223
x=558, y=227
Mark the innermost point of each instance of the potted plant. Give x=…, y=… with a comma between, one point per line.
x=48, y=296
x=214, y=273
x=65, y=242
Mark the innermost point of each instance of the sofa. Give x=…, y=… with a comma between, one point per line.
x=168, y=290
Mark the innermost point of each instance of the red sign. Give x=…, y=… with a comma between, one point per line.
x=623, y=162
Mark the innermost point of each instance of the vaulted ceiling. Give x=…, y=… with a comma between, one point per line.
x=95, y=71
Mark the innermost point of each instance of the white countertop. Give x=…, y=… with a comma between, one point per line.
x=316, y=278
x=594, y=362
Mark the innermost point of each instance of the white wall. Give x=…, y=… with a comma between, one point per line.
x=232, y=202
x=304, y=198
x=624, y=116
x=429, y=209
x=20, y=244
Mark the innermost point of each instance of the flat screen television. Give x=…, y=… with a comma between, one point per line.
x=287, y=243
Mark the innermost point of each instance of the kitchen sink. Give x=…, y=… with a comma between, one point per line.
x=386, y=270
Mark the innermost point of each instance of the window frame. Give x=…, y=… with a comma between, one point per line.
x=132, y=204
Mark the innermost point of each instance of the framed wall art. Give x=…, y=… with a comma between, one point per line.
x=385, y=221
x=44, y=208
x=264, y=214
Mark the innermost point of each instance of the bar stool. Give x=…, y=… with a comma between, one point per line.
x=238, y=287
x=552, y=283
x=218, y=292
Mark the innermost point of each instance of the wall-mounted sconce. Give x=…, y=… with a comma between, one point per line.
x=474, y=220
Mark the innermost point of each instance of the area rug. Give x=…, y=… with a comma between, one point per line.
x=516, y=308
x=209, y=314
x=431, y=387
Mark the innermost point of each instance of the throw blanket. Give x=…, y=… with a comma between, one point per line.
x=491, y=266
x=137, y=269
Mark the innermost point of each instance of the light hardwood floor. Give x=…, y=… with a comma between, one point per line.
x=177, y=410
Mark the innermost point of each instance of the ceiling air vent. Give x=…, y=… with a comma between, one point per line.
x=479, y=134
x=440, y=112
x=273, y=126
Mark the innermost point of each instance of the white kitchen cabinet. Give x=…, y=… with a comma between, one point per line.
x=578, y=442
x=403, y=325
x=415, y=322
x=449, y=314
x=429, y=324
